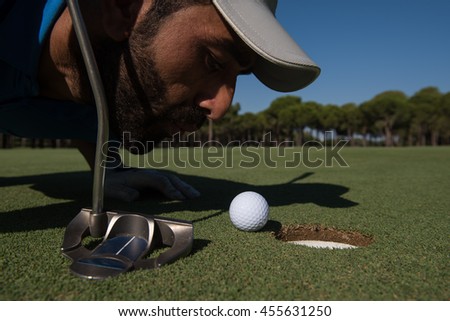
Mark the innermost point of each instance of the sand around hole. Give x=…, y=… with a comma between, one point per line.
x=322, y=237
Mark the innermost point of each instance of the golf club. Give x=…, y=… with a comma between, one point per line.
x=127, y=237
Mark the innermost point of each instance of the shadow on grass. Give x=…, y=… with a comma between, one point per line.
x=75, y=188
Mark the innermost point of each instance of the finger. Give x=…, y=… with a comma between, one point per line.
x=169, y=189
x=169, y=185
x=187, y=190
x=149, y=179
x=121, y=192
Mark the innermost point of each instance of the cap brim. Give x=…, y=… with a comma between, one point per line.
x=281, y=64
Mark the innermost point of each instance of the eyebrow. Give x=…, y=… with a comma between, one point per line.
x=241, y=55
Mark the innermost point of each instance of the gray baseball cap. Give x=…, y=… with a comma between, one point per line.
x=281, y=64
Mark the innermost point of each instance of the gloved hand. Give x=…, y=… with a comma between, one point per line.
x=126, y=184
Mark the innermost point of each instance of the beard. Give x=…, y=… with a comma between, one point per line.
x=136, y=93
x=137, y=101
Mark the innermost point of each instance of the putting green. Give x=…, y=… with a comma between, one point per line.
x=396, y=196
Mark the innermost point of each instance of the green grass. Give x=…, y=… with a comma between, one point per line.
x=398, y=196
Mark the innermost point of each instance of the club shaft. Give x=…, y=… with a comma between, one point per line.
x=100, y=102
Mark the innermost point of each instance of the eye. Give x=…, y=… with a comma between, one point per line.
x=212, y=63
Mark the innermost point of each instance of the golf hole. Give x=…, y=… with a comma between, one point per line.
x=318, y=236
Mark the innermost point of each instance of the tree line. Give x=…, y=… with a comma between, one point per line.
x=391, y=118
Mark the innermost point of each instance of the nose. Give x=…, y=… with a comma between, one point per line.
x=217, y=101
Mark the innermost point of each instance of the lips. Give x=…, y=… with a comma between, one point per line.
x=184, y=118
x=187, y=127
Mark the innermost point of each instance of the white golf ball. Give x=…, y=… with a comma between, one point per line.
x=249, y=211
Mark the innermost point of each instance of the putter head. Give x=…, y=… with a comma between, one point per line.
x=129, y=238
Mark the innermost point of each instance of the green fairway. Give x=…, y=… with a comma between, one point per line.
x=398, y=196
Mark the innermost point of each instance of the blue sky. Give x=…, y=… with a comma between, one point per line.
x=364, y=47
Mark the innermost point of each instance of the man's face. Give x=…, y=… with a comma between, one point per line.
x=176, y=78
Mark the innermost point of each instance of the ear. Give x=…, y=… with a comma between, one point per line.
x=119, y=17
